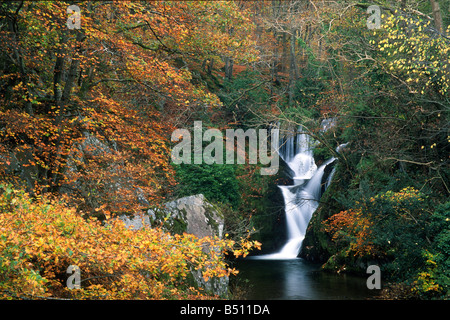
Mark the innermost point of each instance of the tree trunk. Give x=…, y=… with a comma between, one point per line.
x=228, y=68
x=292, y=69
x=73, y=69
x=210, y=66
x=62, y=98
x=284, y=57
x=437, y=16
x=275, y=61
x=58, y=70
x=13, y=28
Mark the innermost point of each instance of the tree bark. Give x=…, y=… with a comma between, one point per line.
x=284, y=57
x=18, y=58
x=437, y=16
x=228, y=68
x=275, y=61
x=73, y=69
x=62, y=98
x=293, y=68
x=210, y=66
x=58, y=69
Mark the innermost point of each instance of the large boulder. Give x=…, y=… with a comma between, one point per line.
x=193, y=215
x=200, y=217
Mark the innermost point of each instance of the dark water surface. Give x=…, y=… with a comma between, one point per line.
x=298, y=279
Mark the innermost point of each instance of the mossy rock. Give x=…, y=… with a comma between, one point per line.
x=193, y=214
x=171, y=221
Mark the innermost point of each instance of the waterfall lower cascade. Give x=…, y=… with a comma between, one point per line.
x=302, y=198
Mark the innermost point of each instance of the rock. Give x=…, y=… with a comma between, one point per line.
x=193, y=215
x=93, y=147
x=19, y=163
x=135, y=223
x=200, y=217
x=118, y=182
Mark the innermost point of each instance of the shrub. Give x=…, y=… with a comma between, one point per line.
x=215, y=181
x=389, y=227
x=398, y=230
x=40, y=238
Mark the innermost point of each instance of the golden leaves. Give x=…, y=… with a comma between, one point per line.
x=415, y=53
x=115, y=262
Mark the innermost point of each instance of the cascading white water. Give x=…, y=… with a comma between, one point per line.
x=302, y=198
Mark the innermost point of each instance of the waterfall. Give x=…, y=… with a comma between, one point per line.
x=330, y=177
x=302, y=198
x=333, y=171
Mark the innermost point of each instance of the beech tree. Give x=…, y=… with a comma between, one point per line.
x=122, y=80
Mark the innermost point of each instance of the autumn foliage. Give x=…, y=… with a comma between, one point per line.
x=355, y=229
x=396, y=229
x=86, y=117
x=41, y=238
x=122, y=81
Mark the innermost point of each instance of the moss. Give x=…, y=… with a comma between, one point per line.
x=322, y=153
x=178, y=224
x=175, y=223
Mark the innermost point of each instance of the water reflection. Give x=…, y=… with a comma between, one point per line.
x=297, y=279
